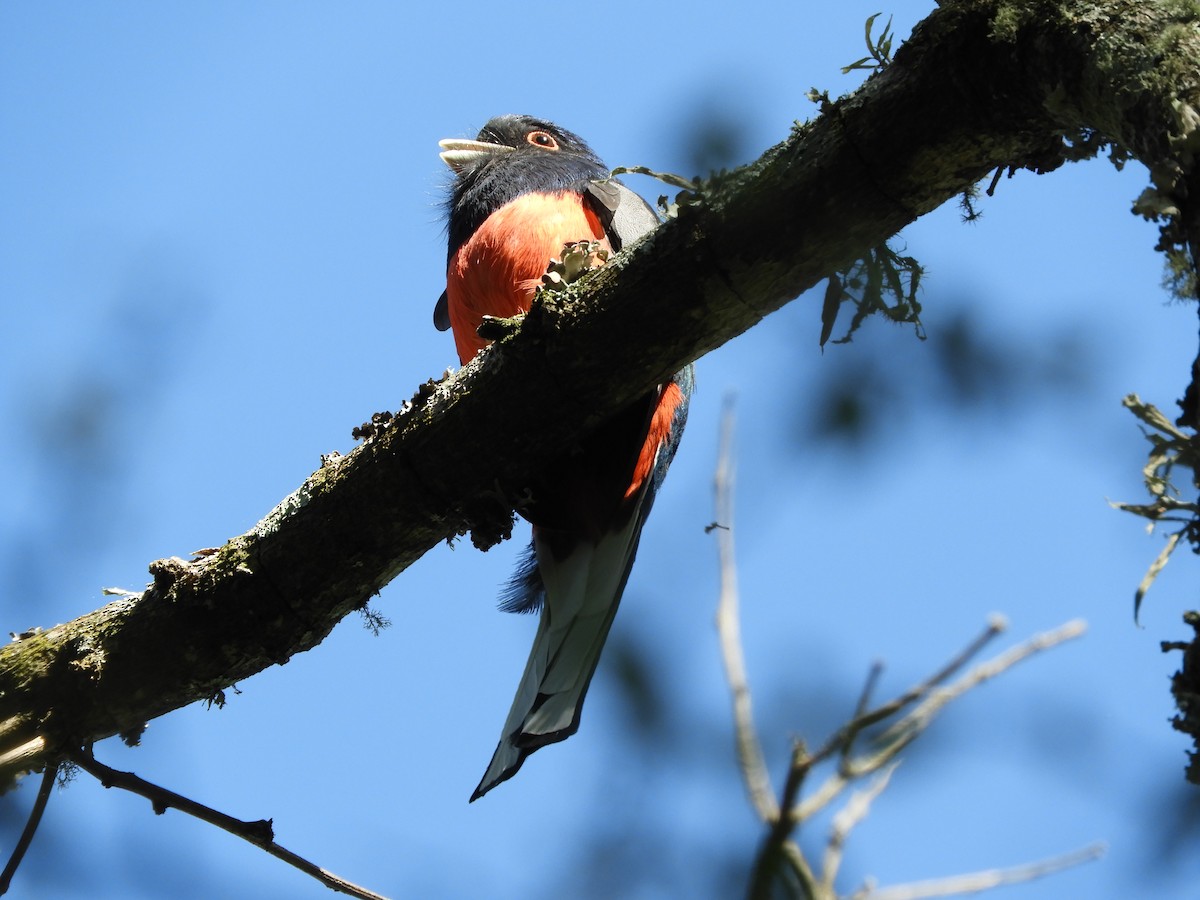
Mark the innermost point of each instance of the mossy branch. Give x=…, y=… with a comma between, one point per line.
x=977, y=87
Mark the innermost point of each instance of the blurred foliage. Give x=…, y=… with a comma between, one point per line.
x=1173, y=817
x=966, y=367
x=715, y=128
x=717, y=139
x=634, y=847
x=80, y=414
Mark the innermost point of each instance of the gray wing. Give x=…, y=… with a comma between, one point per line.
x=624, y=215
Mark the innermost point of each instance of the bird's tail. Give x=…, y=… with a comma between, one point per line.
x=582, y=593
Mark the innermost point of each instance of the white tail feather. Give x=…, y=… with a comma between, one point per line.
x=582, y=594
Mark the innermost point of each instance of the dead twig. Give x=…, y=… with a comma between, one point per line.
x=260, y=833
x=983, y=880
x=780, y=862
x=749, y=749
x=31, y=826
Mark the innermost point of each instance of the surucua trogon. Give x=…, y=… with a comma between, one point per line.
x=522, y=190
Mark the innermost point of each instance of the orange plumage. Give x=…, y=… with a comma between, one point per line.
x=496, y=272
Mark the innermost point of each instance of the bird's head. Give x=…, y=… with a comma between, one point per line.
x=513, y=140
x=511, y=156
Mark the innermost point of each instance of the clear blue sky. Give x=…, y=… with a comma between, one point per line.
x=220, y=244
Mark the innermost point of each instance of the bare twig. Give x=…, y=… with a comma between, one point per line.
x=31, y=826
x=981, y=881
x=864, y=699
x=843, y=823
x=916, y=721
x=842, y=741
x=780, y=858
x=260, y=833
x=928, y=699
x=749, y=749
x=932, y=700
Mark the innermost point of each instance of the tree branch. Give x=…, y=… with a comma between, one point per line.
x=979, y=85
x=31, y=827
x=977, y=882
x=779, y=854
x=749, y=748
x=260, y=833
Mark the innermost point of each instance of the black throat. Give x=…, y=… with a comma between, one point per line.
x=482, y=189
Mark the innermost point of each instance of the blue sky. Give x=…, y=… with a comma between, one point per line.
x=220, y=244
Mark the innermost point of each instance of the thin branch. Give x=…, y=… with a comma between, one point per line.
x=843, y=739
x=260, y=833
x=749, y=748
x=984, y=880
x=868, y=690
x=920, y=717
x=778, y=846
x=847, y=818
x=31, y=826
x=798, y=868
x=930, y=697
x=996, y=626
x=932, y=701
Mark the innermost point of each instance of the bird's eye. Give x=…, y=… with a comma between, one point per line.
x=542, y=139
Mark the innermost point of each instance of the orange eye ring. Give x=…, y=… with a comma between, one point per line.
x=542, y=139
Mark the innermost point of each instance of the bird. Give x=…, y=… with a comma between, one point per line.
x=522, y=190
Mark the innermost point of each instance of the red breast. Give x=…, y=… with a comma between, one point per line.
x=497, y=270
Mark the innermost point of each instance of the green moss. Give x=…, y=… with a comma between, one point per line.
x=1010, y=18
x=1181, y=9
x=23, y=662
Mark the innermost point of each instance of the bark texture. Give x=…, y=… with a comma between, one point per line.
x=979, y=85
